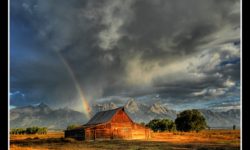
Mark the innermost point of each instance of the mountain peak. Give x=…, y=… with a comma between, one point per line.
x=131, y=106
x=104, y=107
x=158, y=108
x=131, y=102
x=42, y=105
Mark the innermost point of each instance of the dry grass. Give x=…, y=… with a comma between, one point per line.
x=40, y=136
x=205, y=140
x=206, y=136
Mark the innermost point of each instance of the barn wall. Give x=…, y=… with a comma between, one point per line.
x=89, y=134
x=111, y=131
x=100, y=132
x=103, y=134
x=122, y=133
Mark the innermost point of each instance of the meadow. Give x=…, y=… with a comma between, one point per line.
x=204, y=140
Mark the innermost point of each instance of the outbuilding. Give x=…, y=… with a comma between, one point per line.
x=110, y=124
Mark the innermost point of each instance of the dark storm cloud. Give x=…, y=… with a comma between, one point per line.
x=181, y=26
x=117, y=47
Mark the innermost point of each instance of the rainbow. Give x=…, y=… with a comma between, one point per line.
x=86, y=107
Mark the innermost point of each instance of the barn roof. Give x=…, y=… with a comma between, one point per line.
x=103, y=116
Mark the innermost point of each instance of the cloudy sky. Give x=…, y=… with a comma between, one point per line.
x=181, y=53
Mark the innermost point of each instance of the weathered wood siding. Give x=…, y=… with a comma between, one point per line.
x=122, y=133
x=121, y=117
x=103, y=134
x=100, y=132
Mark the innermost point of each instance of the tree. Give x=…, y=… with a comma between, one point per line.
x=42, y=130
x=154, y=124
x=21, y=131
x=190, y=120
x=167, y=125
x=17, y=131
x=45, y=130
x=29, y=130
x=161, y=125
x=234, y=127
x=32, y=130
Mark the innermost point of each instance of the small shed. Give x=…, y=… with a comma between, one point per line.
x=110, y=124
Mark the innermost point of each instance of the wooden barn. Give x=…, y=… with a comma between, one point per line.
x=110, y=124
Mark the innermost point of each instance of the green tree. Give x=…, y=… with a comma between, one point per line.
x=13, y=131
x=32, y=130
x=168, y=125
x=42, y=130
x=29, y=130
x=161, y=125
x=190, y=120
x=154, y=125
x=17, y=131
x=45, y=130
x=21, y=131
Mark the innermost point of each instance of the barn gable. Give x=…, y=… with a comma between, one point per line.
x=121, y=117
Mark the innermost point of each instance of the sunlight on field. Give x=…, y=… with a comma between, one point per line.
x=204, y=140
x=232, y=136
x=14, y=147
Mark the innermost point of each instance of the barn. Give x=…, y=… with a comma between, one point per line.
x=110, y=124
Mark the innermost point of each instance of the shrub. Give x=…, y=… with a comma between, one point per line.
x=42, y=130
x=190, y=120
x=161, y=125
x=17, y=131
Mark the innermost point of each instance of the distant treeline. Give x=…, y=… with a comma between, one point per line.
x=29, y=130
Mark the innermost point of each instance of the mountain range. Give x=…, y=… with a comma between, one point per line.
x=43, y=115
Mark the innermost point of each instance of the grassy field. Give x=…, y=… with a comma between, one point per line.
x=204, y=140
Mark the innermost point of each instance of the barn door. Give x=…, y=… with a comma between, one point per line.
x=125, y=133
x=122, y=133
x=92, y=135
x=115, y=133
